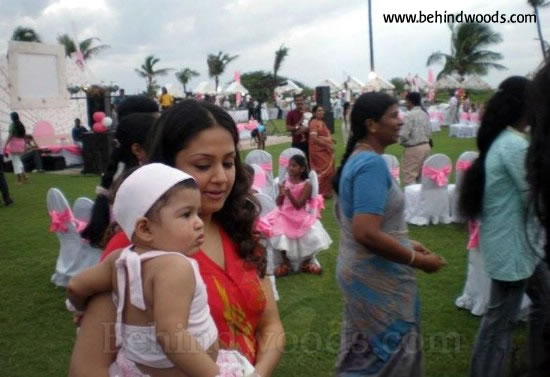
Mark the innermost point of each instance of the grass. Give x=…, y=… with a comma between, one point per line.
x=36, y=332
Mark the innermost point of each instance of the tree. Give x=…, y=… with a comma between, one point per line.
x=280, y=55
x=536, y=4
x=217, y=64
x=468, y=51
x=260, y=84
x=85, y=46
x=399, y=84
x=185, y=75
x=25, y=34
x=148, y=71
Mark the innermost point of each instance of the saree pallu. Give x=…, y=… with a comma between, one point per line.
x=321, y=158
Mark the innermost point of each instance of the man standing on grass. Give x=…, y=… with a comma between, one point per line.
x=3, y=184
x=294, y=125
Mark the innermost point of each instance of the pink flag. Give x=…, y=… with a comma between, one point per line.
x=237, y=78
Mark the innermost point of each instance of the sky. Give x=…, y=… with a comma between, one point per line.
x=326, y=38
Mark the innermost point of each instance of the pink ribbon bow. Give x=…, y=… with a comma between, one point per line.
x=60, y=220
x=318, y=203
x=263, y=227
x=283, y=162
x=259, y=179
x=395, y=172
x=463, y=165
x=473, y=230
x=267, y=166
x=439, y=176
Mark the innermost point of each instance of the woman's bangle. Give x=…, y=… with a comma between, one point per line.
x=413, y=257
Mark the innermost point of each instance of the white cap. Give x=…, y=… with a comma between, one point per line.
x=137, y=194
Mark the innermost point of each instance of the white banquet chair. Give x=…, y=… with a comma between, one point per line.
x=262, y=159
x=284, y=158
x=273, y=257
x=393, y=166
x=74, y=253
x=428, y=202
x=263, y=182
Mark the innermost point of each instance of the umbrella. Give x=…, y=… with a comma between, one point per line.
x=447, y=82
x=289, y=87
x=236, y=87
x=376, y=83
x=476, y=83
x=206, y=87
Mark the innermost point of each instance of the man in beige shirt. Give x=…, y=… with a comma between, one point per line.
x=415, y=136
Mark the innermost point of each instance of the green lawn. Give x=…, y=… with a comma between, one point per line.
x=36, y=332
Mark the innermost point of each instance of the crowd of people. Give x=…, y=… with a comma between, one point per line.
x=184, y=269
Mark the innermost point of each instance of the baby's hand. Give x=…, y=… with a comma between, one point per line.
x=77, y=318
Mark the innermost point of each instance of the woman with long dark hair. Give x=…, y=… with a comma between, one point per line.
x=15, y=146
x=495, y=192
x=376, y=260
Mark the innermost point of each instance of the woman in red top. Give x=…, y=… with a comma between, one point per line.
x=201, y=139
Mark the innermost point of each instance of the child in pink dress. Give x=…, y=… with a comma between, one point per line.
x=298, y=233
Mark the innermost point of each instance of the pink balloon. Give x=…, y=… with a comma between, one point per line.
x=98, y=116
x=99, y=127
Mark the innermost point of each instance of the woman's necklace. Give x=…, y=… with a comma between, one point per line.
x=364, y=145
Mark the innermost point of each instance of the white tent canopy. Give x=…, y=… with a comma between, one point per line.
x=476, y=83
x=289, y=87
x=447, y=82
x=334, y=87
x=353, y=84
x=376, y=83
x=235, y=87
x=206, y=87
x=421, y=83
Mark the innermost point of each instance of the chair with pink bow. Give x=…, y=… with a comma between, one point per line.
x=74, y=252
x=273, y=257
x=463, y=163
x=393, y=165
x=263, y=182
x=428, y=202
x=264, y=160
x=316, y=202
x=477, y=287
x=284, y=159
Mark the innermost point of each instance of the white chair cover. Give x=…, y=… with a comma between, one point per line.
x=267, y=205
x=314, y=181
x=74, y=254
x=262, y=159
x=462, y=164
x=393, y=165
x=477, y=288
x=82, y=209
x=263, y=181
x=284, y=157
x=428, y=202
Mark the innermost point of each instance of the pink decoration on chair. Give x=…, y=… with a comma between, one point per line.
x=283, y=162
x=439, y=176
x=263, y=227
x=98, y=116
x=60, y=220
x=464, y=116
x=395, y=172
x=474, y=117
x=463, y=165
x=266, y=167
x=259, y=179
x=317, y=203
x=473, y=230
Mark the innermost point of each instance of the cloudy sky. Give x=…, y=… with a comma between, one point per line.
x=327, y=38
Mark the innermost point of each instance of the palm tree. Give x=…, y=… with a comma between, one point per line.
x=217, y=64
x=25, y=34
x=280, y=55
x=148, y=71
x=468, y=54
x=536, y=4
x=185, y=75
x=85, y=46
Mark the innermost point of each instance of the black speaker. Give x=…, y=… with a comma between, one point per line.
x=322, y=97
x=96, y=151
